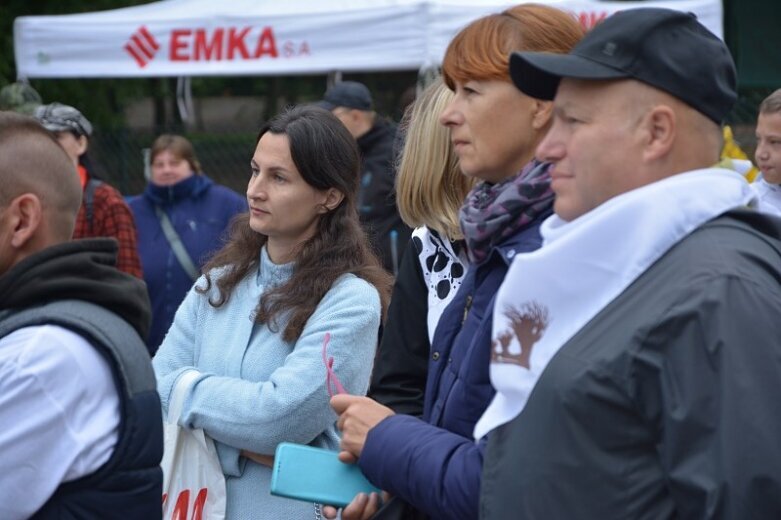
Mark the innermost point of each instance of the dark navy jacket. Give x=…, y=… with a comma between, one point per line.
x=200, y=212
x=434, y=463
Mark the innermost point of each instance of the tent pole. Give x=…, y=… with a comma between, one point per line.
x=184, y=100
x=334, y=77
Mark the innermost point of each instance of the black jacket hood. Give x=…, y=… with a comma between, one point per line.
x=381, y=136
x=78, y=270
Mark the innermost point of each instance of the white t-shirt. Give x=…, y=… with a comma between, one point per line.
x=59, y=415
x=769, y=196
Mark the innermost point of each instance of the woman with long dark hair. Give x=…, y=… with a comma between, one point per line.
x=296, y=270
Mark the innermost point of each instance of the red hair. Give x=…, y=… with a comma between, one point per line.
x=482, y=49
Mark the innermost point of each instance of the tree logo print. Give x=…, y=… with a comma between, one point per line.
x=528, y=325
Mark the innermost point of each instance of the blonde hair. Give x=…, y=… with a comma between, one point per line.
x=771, y=104
x=430, y=187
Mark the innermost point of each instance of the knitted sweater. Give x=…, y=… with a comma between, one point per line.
x=256, y=390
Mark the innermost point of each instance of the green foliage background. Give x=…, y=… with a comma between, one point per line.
x=103, y=99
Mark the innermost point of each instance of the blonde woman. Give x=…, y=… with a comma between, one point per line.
x=430, y=189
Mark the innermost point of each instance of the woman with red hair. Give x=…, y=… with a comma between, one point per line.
x=433, y=463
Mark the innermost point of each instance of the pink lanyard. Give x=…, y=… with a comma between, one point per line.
x=330, y=375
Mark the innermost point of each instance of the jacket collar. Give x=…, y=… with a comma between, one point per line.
x=192, y=186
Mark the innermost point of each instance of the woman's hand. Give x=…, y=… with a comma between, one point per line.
x=363, y=507
x=357, y=415
x=265, y=460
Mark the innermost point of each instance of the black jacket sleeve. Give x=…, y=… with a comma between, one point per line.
x=401, y=367
x=708, y=380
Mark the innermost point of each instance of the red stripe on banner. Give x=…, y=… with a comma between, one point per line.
x=141, y=62
x=140, y=46
x=151, y=39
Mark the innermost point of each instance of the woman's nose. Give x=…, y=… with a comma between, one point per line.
x=449, y=116
x=255, y=189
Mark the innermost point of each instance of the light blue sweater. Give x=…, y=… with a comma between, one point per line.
x=256, y=390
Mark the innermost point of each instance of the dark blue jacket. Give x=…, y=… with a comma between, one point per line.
x=434, y=463
x=200, y=212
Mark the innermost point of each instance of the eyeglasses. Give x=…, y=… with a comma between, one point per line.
x=330, y=375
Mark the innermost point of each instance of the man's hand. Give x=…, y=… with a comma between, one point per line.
x=357, y=415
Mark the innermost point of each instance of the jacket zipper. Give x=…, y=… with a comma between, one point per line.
x=467, y=306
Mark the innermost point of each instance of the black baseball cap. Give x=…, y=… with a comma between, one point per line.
x=664, y=48
x=350, y=94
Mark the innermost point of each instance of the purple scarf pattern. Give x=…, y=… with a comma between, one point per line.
x=493, y=212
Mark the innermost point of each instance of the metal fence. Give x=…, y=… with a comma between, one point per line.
x=225, y=156
x=117, y=157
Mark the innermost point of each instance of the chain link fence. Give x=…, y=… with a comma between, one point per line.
x=118, y=157
x=225, y=126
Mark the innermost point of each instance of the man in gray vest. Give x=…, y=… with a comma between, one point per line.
x=81, y=432
x=637, y=353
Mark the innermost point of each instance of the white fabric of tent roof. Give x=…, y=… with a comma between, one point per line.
x=251, y=37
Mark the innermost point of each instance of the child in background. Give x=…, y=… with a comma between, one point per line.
x=768, y=154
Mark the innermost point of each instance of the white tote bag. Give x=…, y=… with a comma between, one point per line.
x=193, y=482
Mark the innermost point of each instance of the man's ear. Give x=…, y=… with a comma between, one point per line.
x=83, y=143
x=660, y=126
x=542, y=113
x=333, y=198
x=24, y=217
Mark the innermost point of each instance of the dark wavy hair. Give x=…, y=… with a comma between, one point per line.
x=326, y=156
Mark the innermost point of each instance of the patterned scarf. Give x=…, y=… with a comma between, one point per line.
x=493, y=212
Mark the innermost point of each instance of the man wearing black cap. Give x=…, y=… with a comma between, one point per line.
x=645, y=384
x=352, y=104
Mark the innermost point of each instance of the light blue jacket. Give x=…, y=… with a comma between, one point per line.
x=256, y=390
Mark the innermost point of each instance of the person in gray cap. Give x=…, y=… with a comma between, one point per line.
x=103, y=213
x=636, y=355
x=19, y=97
x=351, y=102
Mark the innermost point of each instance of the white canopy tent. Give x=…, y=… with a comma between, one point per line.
x=251, y=37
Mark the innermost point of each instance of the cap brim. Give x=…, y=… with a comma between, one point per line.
x=537, y=74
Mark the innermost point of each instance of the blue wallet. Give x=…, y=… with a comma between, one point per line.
x=316, y=475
